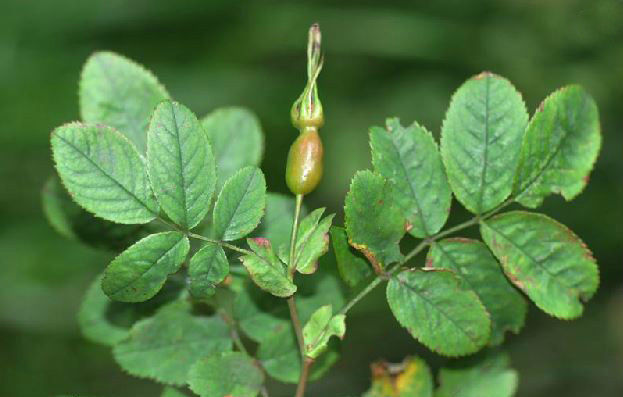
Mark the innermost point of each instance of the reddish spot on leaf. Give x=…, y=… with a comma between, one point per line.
x=264, y=242
x=408, y=226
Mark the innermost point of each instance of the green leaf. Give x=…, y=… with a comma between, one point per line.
x=411, y=378
x=312, y=241
x=480, y=141
x=181, y=164
x=171, y=392
x=374, y=223
x=560, y=147
x=276, y=224
x=490, y=377
x=107, y=322
x=120, y=93
x=73, y=222
x=140, y=271
x=409, y=158
x=320, y=327
x=207, y=268
x=240, y=204
x=438, y=312
x=165, y=346
x=237, y=139
x=103, y=172
x=353, y=269
x=280, y=357
x=266, y=270
x=473, y=263
x=544, y=259
x=226, y=374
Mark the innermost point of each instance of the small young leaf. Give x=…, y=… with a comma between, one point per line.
x=280, y=357
x=560, y=147
x=373, y=223
x=237, y=139
x=240, y=204
x=120, y=93
x=312, y=241
x=276, y=224
x=544, y=259
x=353, y=269
x=208, y=267
x=411, y=378
x=480, y=141
x=266, y=269
x=439, y=313
x=140, y=271
x=103, y=173
x=491, y=377
x=181, y=164
x=165, y=346
x=226, y=374
x=321, y=326
x=473, y=263
x=73, y=222
x=409, y=158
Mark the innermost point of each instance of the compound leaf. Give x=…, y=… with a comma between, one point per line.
x=120, y=93
x=473, y=263
x=353, y=269
x=266, y=270
x=480, y=141
x=240, y=204
x=560, y=147
x=409, y=158
x=165, y=346
x=226, y=374
x=438, y=312
x=207, y=268
x=312, y=241
x=104, y=173
x=411, y=378
x=490, y=377
x=544, y=259
x=374, y=223
x=181, y=164
x=237, y=139
x=321, y=326
x=139, y=272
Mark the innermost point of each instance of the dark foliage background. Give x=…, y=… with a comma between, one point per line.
x=389, y=58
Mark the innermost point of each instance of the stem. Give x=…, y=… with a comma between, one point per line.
x=296, y=323
x=295, y=227
x=294, y=316
x=300, y=388
x=221, y=243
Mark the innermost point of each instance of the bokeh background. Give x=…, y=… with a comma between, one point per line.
x=383, y=58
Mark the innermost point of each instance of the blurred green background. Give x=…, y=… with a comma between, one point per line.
x=383, y=58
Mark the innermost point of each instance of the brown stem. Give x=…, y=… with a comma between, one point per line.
x=296, y=323
x=300, y=388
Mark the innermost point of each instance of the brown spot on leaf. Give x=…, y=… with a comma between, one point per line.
x=378, y=266
x=408, y=226
x=483, y=75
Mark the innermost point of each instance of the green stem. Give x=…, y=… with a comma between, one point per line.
x=295, y=227
x=221, y=243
